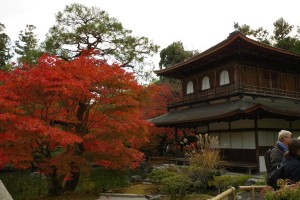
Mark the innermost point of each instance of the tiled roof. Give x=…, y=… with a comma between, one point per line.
x=230, y=109
x=228, y=47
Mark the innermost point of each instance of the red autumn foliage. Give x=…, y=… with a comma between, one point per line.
x=161, y=137
x=160, y=97
x=60, y=114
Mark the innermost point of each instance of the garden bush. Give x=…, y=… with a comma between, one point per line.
x=157, y=175
x=225, y=181
x=204, y=160
x=176, y=186
x=285, y=192
x=103, y=180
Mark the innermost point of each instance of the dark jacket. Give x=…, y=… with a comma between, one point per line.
x=292, y=169
x=276, y=156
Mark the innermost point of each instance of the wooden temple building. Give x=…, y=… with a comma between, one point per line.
x=240, y=90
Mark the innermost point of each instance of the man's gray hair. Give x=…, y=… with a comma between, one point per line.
x=284, y=133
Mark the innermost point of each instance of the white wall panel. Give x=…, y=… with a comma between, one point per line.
x=202, y=129
x=242, y=124
x=267, y=138
x=219, y=126
x=225, y=140
x=296, y=124
x=248, y=140
x=236, y=140
x=217, y=144
x=262, y=164
x=273, y=123
x=296, y=134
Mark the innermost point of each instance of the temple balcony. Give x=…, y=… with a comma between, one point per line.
x=231, y=90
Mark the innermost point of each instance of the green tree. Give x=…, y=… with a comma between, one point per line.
x=79, y=28
x=5, y=52
x=282, y=35
x=260, y=33
x=27, y=46
x=281, y=29
x=174, y=53
x=171, y=55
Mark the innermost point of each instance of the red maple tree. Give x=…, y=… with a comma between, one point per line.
x=160, y=95
x=62, y=116
x=164, y=140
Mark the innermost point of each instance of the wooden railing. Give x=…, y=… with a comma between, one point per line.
x=234, y=90
x=231, y=192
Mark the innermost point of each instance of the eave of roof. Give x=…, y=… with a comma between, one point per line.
x=233, y=37
x=225, y=110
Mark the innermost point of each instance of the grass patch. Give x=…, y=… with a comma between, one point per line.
x=147, y=189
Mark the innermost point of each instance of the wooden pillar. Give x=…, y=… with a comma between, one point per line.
x=215, y=83
x=256, y=139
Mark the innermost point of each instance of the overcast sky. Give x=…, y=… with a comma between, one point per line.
x=199, y=24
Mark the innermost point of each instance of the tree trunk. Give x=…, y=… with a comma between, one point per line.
x=71, y=185
x=55, y=185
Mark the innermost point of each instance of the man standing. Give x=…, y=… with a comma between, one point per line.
x=281, y=146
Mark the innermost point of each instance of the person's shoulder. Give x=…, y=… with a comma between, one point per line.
x=291, y=160
x=278, y=148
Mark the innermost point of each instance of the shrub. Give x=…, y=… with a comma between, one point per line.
x=225, y=181
x=285, y=191
x=204, y=160
x=176, y=186
x=239, y=180
x=158, y=175
x=221, y=182
x=88, y=186
x=102, y=180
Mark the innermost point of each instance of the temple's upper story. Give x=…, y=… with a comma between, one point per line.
x=237, y=66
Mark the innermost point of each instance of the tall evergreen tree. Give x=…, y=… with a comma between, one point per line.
x=5, y=51
x=260, y=33
x=282, y=35
x=27, y=46
x=81, y=28
x=173, y=54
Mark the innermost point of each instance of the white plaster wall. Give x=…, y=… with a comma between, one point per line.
x=202, y=129
x=296, y=134
x=296, y=124
x=217, y=145
x=262, y=164
x=219, y=126
x=273, y=123
x=225, y=140
x=236, y=140
x=242, y=124
x=267, y=138
x=248, y=140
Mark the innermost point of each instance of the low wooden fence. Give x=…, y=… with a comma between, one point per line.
x=231, y=192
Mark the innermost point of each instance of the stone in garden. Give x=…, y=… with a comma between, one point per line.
x=4, y=194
